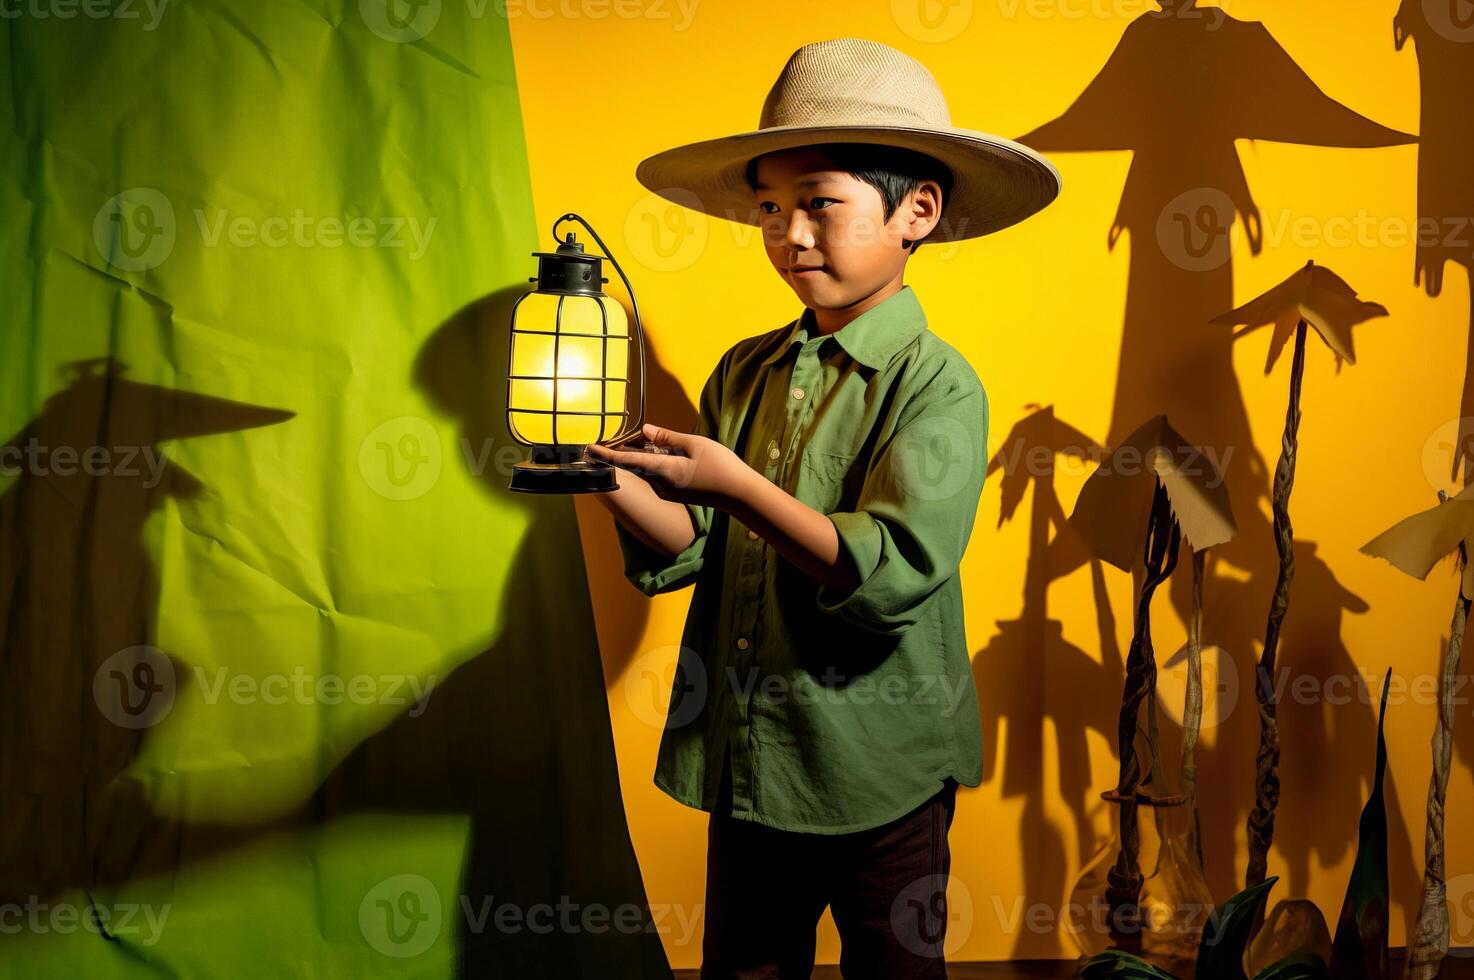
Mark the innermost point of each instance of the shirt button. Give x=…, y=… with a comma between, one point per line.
x=752, y=535
x=798, y=393
x=742, y=643
x=774, y=452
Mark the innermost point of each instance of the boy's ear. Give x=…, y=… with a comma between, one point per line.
x=921, y=211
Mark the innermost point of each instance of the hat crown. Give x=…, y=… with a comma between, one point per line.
x=854, y=82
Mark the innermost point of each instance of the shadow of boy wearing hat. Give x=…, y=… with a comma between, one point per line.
x=823, y=709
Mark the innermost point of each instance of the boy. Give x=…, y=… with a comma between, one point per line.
x=824, y=710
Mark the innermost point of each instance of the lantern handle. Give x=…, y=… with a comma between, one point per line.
x=621, y=436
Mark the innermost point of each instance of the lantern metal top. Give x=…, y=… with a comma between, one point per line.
x=569, y=271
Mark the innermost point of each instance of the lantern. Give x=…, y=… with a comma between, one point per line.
x=568, y=374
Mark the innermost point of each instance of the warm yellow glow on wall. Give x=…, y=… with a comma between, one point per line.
x=1039, y=311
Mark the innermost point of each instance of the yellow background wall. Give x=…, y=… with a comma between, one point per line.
x=1038, y=311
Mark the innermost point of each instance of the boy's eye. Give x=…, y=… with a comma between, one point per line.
x=815, y=204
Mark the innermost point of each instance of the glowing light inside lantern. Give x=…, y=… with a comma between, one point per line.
x=574, y=347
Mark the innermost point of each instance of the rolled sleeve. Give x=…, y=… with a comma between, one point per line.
x=651, y=571
x=915, y=513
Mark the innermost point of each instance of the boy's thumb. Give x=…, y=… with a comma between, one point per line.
x=661, y=436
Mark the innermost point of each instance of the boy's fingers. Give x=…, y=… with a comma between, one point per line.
x=641, y=463
x=616, y=457
x=666, y=438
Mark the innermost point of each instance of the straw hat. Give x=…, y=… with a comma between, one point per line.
x=850, y=90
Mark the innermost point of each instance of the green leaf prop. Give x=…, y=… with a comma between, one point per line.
x=1301, y=965
x=1114, y=964
x=1221, y=950
x=1359, y=950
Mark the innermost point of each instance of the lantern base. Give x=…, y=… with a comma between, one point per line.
x=563, y=470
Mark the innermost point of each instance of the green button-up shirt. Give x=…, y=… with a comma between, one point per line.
x=841, y=711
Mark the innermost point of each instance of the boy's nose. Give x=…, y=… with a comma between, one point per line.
x=799, y=234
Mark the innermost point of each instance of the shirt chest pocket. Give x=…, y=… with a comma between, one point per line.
x=829, y=482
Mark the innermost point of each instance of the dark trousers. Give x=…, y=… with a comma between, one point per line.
x=887, y=887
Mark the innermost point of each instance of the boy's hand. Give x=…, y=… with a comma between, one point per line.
x=692, y=469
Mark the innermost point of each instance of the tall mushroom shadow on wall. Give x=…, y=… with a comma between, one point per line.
x=1443, y=40
x=1180, y=87
x=1030, y=660
x=518, y=738
x=80, y=683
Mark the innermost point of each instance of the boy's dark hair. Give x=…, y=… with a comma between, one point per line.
x=892, y=170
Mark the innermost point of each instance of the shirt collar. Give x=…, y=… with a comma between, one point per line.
x=873, y=338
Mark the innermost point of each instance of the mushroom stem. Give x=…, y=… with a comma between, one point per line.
x=1266, y=781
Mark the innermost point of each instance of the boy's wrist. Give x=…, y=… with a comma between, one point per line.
x=740, y=496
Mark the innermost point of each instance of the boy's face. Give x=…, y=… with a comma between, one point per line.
x=824, y=232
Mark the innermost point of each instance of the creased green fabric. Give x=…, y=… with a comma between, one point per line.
x=291, y=684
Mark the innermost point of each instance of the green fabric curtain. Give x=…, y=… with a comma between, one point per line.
x=291, y=685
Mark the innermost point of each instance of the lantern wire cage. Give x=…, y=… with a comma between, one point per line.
x=558, y=466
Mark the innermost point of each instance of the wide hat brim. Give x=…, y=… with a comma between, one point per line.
x=995, y=181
